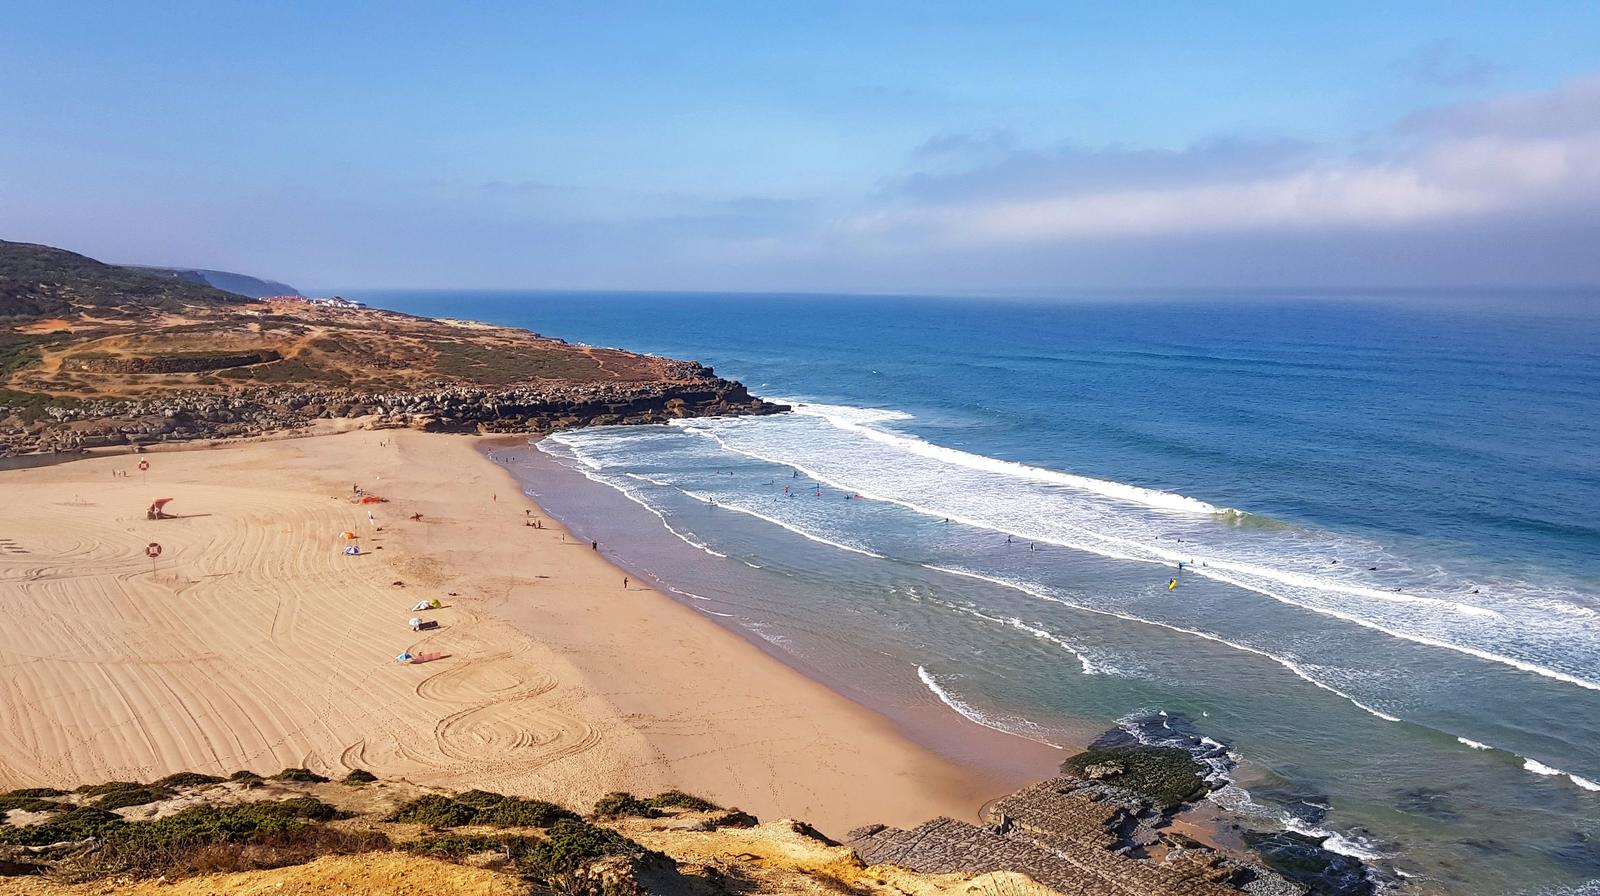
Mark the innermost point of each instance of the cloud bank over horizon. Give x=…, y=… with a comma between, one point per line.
x=1516, y=179
x=928, y=149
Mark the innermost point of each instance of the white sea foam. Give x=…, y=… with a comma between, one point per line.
x=1332, y=841
x=969, y=712
x=853, y=420
x=1473, y=744
x=1053, y=508
x=1289, y=664
x=811, y=536
x=1043, y=635
x=764, y=632
x=1539, y=768
x=591, y=470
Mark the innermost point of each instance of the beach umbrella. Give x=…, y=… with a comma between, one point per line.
x=159, y=503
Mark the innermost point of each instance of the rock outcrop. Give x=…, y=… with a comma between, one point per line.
x=79, y=425
x=1073, y=836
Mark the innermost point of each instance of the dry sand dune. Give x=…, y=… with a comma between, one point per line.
x=254, y=642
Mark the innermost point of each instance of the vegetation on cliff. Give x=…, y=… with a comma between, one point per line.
x=1167, y=776
x=43, y=281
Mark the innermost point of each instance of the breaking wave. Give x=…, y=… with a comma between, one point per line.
x=971, y=713
x=1128, y=617
x=857, y=420
x=848, y=449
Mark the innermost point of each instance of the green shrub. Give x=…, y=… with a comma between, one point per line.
x=480, y=807
x=37, y=792
x=435, y=811
x=78, y=823
x=518, y=813
x=357, y=777
x=183, y=780
x=1166, y=776
x=480, y=799
x=459, y=846
x=677, y=799
x=133, y=796
x=303, y=775
x=619, y=803
x=108, y=787
x=570, y=844
x=245, y=774
x=11, y=802
x=214, y=838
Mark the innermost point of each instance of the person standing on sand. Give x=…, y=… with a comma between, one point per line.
x=594, y=545
x=624, y=583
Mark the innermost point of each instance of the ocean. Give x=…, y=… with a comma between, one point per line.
x=1344, y=547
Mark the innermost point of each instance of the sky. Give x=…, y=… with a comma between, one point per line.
x=991, y=147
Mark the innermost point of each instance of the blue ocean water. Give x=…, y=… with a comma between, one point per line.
x=1352, y=539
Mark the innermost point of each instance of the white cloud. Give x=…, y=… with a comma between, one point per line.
x=1514, y=156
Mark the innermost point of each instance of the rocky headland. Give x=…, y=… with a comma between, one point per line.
x=94, y=355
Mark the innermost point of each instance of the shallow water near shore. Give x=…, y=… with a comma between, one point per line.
x=1385, y=516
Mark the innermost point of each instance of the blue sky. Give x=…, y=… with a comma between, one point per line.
x=880, y=146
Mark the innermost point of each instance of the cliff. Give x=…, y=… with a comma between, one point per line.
x=299, y=832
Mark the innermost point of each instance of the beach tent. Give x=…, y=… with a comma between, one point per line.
x=403, y=657
x=156, y=510
x=415, y=623
x=434, y=604
x=348, y=535
x=352, y=550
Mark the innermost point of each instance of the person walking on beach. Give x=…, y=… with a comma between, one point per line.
x=624, y=583
x=594, y=545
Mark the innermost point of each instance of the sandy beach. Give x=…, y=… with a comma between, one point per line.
x=255, y=642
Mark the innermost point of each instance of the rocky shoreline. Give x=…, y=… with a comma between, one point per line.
x=69, y=425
